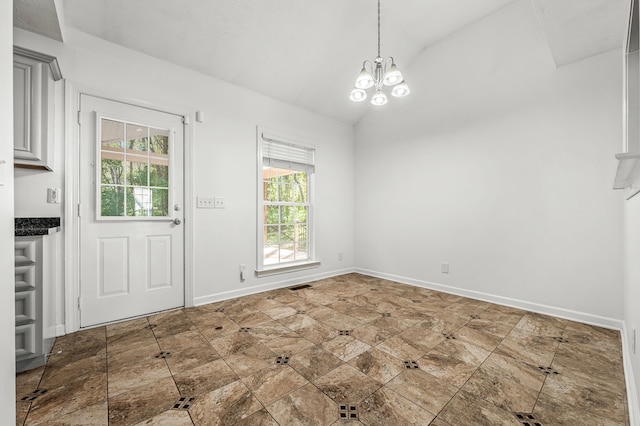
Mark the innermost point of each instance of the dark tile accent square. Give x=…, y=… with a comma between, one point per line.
x=163, y=355
x=218, y=327
x=244, y=329
x=374, y=289
x=301, y=312
x=560, y=339
x=548, y=370
x=183, y=403
x=220, y=310
x=347, y=412
x=449, y=336
x=410, y=364
x=474, y=316
x=386, y=314
x=282, y=360
x=527, y=419
x=344, y=332
x=150, y=326
x=33, y=395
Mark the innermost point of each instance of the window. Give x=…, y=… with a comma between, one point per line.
x=133, y=171
x=285, y=206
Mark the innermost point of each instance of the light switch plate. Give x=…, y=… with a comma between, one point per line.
x=204, y=202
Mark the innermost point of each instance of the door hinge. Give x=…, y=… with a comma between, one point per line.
x=79, y=303
x=78, y=210
x=78, y=117
x=185, y=120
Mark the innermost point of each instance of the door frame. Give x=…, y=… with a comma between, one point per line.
x=72, y=190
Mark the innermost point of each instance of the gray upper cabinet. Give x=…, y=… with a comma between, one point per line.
x=34, y=75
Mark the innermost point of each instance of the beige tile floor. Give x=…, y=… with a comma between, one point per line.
x=349, y=341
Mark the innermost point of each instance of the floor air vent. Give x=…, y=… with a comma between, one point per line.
x=300, y=287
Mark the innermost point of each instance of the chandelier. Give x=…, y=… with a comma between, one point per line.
x=381, y=72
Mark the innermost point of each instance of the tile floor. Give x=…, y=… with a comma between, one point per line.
x=349, y=350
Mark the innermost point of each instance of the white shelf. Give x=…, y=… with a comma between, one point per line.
x=628, y=174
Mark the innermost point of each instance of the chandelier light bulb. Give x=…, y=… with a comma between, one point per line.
x=393, y=76
x=358, y=95
x=400, y=90
x=379, y=98
x=364, y=80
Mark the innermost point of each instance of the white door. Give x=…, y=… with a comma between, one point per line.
x=131, y=198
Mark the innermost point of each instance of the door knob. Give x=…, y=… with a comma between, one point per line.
x=177, y=221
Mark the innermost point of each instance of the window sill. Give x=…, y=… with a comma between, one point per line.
x=282, y=269
x=628, y=174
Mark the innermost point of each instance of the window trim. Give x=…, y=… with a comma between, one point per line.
x=98, y=176
x=291, y=266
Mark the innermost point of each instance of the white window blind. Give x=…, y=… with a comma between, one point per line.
x=284, y=155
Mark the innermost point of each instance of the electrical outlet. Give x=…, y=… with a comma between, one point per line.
x=219, y=203
x=205, y=202
x=243, y=270
x=340, y=256
x=444, y=268
x=53, y=195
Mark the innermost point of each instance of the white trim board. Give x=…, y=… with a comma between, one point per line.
x=582, y=317
x=226, y=295
x=632, y=390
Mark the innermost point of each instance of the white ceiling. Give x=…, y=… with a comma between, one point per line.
x=578, y=29
x=304, y=52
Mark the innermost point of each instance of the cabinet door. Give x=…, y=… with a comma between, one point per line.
x=33, y=93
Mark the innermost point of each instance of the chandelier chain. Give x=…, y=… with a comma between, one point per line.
x=378, y=27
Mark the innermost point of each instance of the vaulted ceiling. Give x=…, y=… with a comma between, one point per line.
x=308, y=53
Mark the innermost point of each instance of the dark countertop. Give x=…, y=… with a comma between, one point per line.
x=33, y=226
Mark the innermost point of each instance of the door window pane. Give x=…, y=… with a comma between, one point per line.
x=160, y=202
x=134, y=170
x=137, y=170
x=159, y=142
x=137, y=137
x=159, y=175
x=112, y=135
x=112, y=171
x=112, y=198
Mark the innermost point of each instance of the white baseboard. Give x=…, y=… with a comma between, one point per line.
x=54, y=331
x=582, y=317
x=632, y=390
x=218, y=297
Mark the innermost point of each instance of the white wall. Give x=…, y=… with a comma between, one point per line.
x=224, y=156
x=7, y=297
x=501, y=165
